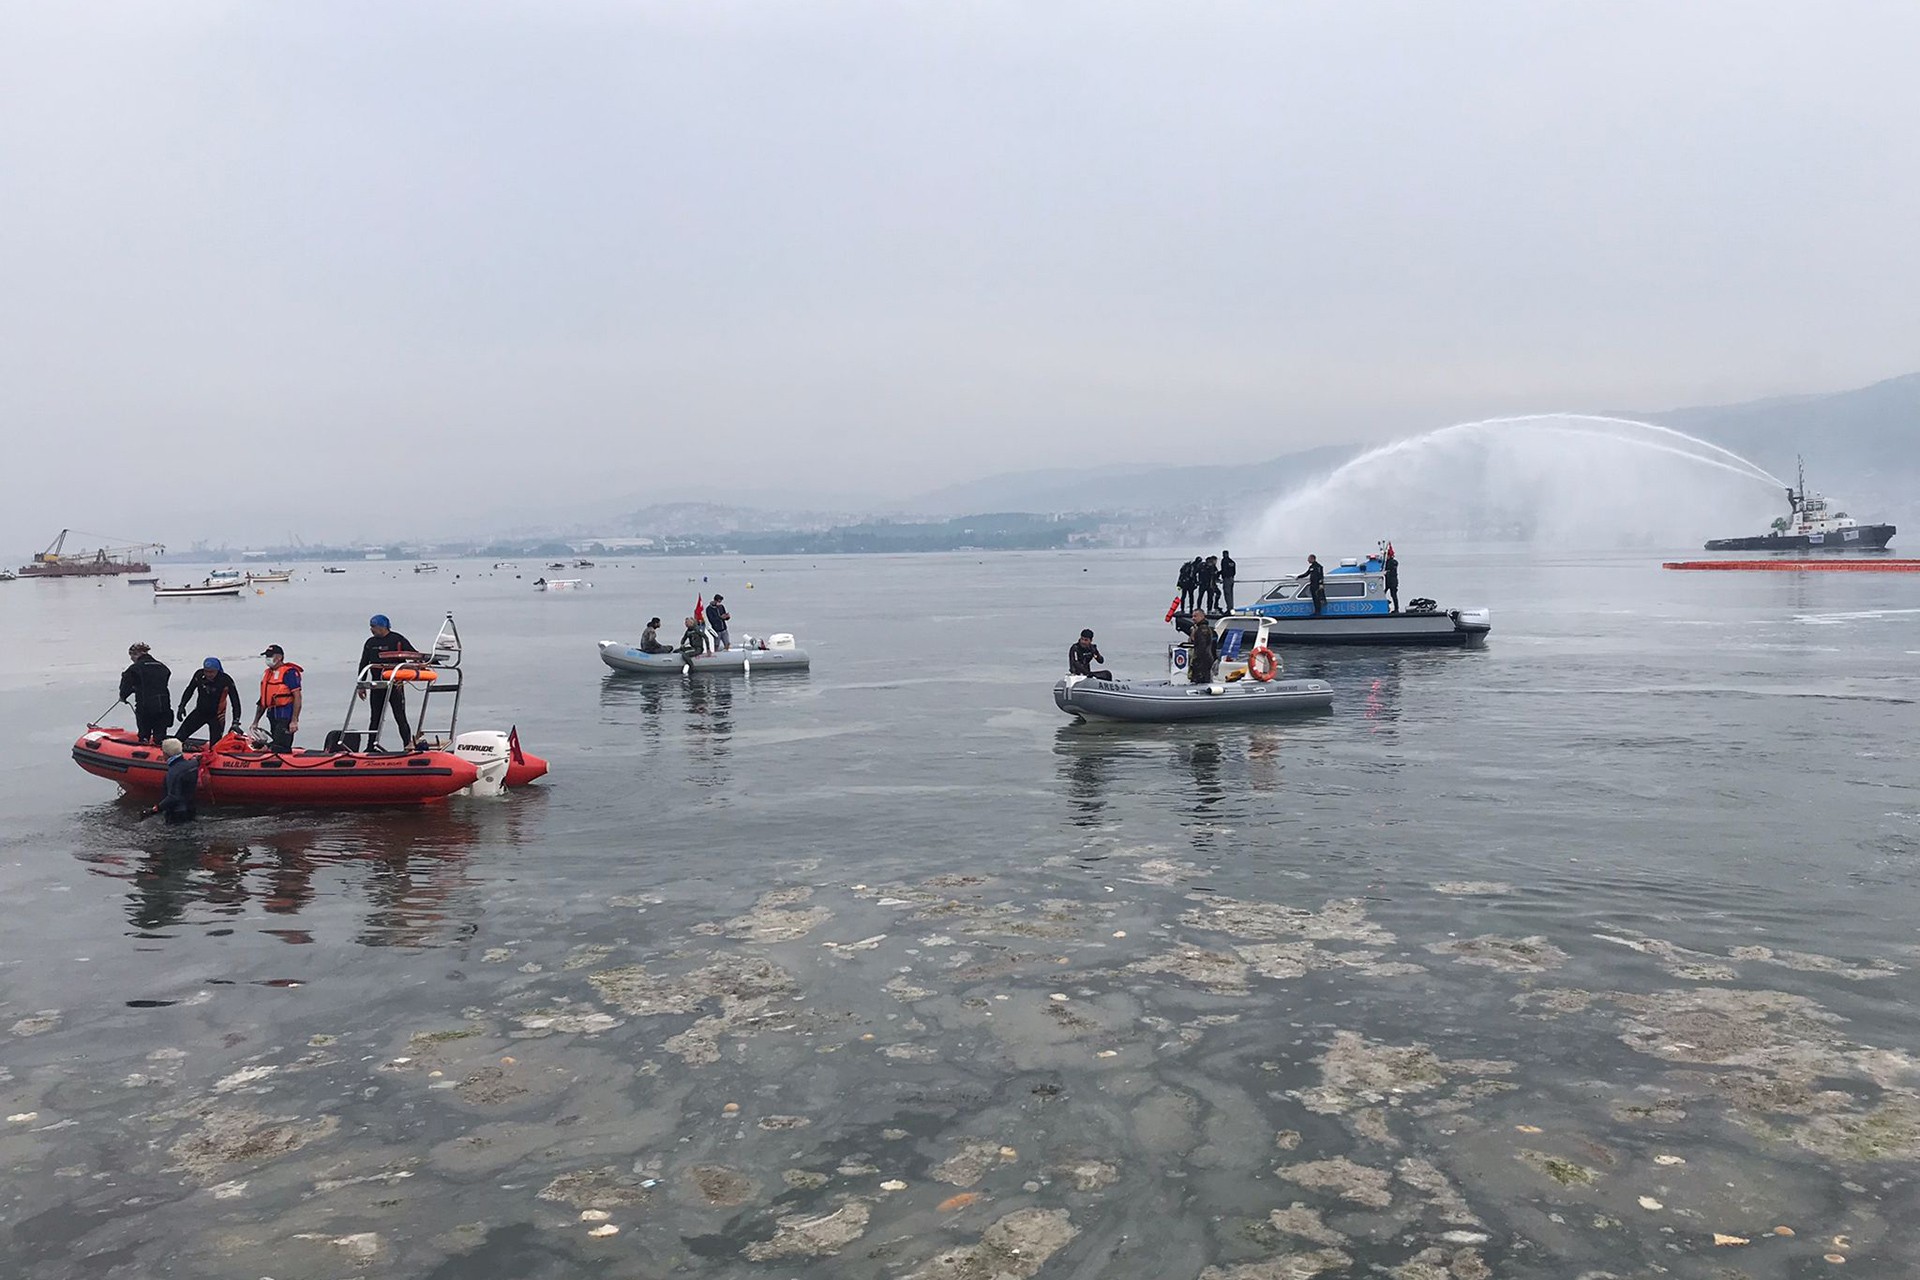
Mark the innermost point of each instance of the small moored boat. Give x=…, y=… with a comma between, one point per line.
x=208, y=589
x=276, y=575
x=775, y=653
x=561, y=584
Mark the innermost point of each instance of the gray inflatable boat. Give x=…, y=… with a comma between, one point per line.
x=778, y=654
x=1166, y=700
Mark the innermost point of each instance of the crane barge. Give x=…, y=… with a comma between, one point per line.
x=57, y=562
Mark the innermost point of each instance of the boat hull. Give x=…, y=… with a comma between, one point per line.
x=1865, y=537
x=1171, y=701
x=1455, y=628
x=197, y=593
x=624, y=657
x=266, y=779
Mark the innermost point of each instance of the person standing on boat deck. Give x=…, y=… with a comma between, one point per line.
x=650, y=638
x=718, y=618
x=1206, y=647
x=1392, y=566
x=145, y=681
x=280, y=698
x=1185, y=584
x=1227, y=571
x=1210, y=584
x=1316, y=577
x=183, y=780
x=212, y=688
x=1082, y=654
x=385, y=642
x=693, y=642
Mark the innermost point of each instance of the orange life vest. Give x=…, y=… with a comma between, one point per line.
x=273, y=686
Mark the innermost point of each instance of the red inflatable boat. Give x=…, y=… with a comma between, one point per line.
x=237, y=771
x=237, y=774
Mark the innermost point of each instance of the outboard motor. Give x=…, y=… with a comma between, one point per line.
x=490, y=752
x=781, y=640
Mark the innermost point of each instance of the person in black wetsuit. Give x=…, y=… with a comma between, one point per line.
x=1206, y=648
x=214, y=689
x=1082, y=654
x=693, y=641
x=385, y=642
x=183, y=780
x=1210, y=585
x=1392, y=566
x=1186, y=584
x=1316, y=578
x=145, y=682
x=1228, y=569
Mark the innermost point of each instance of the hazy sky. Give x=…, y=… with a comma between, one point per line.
x=342, y=267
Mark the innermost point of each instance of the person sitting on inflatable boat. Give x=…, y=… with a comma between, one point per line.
x=1082, y=654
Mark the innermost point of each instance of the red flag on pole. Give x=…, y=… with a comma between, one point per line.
x=700, y=609
x=513, y=745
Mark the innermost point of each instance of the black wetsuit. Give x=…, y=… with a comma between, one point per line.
x=1186, y=587
x=384, y=696
x=1210, y=586
x=183, y=780
x=1393, y=582
x=1081, y=655
x=1316, y=576
x=1227, y=571
x=145, y=682
x=213, y=689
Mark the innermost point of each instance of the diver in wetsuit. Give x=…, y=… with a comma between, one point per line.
x=213, y=689
x=145, y=682
x=1082, y=654
x=385, y=642
x=1316, y=577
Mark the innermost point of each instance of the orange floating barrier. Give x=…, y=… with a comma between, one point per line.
x=1802, y=566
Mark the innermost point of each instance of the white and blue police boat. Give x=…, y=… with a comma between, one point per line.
x=1358, y=610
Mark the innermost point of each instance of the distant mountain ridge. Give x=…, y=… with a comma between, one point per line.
x=1133, y=488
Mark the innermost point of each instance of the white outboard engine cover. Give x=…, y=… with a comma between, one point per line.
x=781, y=640
x=489, y=750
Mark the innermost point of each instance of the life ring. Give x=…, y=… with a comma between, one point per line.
x=1261, y=664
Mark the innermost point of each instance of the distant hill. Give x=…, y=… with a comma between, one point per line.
x=1133, y=489
x=1861, y=446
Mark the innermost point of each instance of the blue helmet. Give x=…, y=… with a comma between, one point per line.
x=212, y=664
x=378, y=620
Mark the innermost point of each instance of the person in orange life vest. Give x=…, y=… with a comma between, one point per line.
x=385, y=642
x=279, y=698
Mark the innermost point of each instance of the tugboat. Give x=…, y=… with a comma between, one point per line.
x=1809, y=526
x=1360, y=611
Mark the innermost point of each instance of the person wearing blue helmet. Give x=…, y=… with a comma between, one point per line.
x=210, y=689
x=385, y=644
